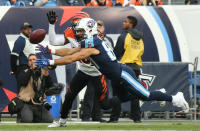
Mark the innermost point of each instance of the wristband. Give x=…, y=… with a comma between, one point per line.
x=51, y=62
x=52, y=51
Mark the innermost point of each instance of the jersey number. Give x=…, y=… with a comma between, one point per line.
x=109, y=51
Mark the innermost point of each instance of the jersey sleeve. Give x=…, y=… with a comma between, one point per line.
x=19, y=46
x=69, y=32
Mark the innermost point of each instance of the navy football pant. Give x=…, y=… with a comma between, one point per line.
x=130, y=88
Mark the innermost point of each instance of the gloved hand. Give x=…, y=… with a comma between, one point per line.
x=42, y=50
x=52, y=17
x=40, y=63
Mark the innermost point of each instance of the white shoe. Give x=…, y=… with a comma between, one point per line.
x=60, y=123
x=162, y=103
x=179, y=101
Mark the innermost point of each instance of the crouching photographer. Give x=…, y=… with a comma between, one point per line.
x=35, y=84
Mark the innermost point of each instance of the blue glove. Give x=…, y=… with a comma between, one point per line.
x=42, y=50
x=40, y=63
x=41, y=56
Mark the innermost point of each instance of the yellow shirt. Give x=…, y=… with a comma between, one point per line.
x=134, y=49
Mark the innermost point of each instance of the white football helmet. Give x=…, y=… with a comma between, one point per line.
x=89, y=25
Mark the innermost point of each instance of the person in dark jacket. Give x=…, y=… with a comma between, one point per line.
x=129, y=50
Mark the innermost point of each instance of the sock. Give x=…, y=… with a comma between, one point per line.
x=159, y=96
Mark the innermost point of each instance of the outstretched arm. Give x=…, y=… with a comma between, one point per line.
x=82, y=54
x=42, y=50
x=66, y=51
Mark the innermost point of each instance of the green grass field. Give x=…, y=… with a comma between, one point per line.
x=145, y=125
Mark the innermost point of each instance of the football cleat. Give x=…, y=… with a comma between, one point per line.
x=179, y=101
x=60, y=123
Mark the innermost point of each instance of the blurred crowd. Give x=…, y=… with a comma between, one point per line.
x=89, y=2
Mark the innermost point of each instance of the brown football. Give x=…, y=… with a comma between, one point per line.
x=37, y=36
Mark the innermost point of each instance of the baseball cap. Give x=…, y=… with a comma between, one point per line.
x=100, y=23
x=25, y=25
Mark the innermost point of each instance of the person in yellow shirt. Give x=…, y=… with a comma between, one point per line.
x=129, y=50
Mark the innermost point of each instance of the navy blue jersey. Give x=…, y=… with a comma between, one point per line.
x=18, y=49
x=105, y=61
x=23, y=48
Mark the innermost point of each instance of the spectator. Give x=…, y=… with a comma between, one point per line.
x=14, y=3
x=29, y=2
x=86, y=1
x=45, y=3
x=132, y=3
x=33, y=84
x=119, y=2
x=191, y=2
x=22, y=49
x=159, y=2
x=129, y=49
x=100, y=3
x=152, y=2
x=128, y=2
x=75, y=2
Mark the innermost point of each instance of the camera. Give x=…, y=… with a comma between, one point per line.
x=47, y=105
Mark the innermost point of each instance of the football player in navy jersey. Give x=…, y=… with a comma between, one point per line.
x=86, y=75
x=101, y=55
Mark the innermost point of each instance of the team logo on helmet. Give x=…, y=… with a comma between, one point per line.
x=91, y=23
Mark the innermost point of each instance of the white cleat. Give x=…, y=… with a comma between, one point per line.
x=60, y=123
x=162, y=103
x=179, y=101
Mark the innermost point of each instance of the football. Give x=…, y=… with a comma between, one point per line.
x=37, y=36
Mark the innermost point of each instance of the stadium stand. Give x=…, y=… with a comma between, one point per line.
x=27, y=2
x=61, y=2
x=2, y=2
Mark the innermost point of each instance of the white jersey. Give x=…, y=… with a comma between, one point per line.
x=84, y=65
